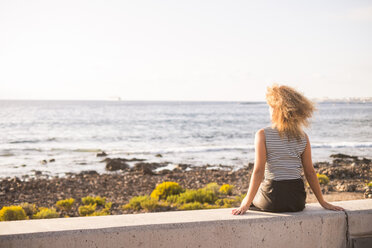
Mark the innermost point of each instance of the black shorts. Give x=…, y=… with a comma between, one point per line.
x=280, y=196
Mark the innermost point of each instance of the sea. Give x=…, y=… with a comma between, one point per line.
x=67, y=135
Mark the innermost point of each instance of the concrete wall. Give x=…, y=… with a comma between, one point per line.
x=313, y=227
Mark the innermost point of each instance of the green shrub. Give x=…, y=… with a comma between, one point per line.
x=89, y=200
x=145, y=202
x=208, y=206
x=66, y=204
x=46, y=213
x=369, y=184
x=213, y=186
x=8, y=213
x=226, y=203
x=165, y=189
x=173, y=198
x=108, y=205
x=104, y=211
x=135, y=202
x=323, y=179
x=150, y=204
x=191, y=206
x=29, y=208
x=198, y=195
x=87, y=210
x=195, y=206
x=226, y=189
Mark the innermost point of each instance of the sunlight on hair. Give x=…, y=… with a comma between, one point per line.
x=291, y=110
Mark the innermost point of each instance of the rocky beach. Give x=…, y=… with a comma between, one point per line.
x=125, y=178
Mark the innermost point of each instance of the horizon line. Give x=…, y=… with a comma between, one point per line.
x=118, y=99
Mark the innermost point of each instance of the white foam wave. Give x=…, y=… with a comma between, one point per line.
x=342, y=145
x=193, y=149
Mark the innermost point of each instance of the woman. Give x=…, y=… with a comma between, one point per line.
x=281, y=151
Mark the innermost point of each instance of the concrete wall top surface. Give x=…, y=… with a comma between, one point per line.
x=357, y=209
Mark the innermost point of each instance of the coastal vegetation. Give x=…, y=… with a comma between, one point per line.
x=66, y=204
x=90, y=204
x=167, y=195
x=170, y=195
x=8, y=213
x=46, y=213
x=323, y=179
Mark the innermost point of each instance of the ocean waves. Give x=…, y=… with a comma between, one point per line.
x=342, y=145
x=23, y=141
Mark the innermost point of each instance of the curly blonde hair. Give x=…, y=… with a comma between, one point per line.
x=291, y=110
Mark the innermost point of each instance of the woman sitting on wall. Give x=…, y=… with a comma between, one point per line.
x=281, y=151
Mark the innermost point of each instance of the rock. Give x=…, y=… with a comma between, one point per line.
x=101, y=154
x=343, y=156
x=341, y=161
x=43, y=161
x=158, y=155
x=123, y=159
x=146, y=168
x=351, y=187
x=177, y=169
x=114, y=165
x=368, y=192
x=37, y=172
x=88, y=172
x=225, y=166
x=329, y=188
x=366, y=160
x=52, y=160
x=23, y=165
x=16, y=180
x=346, y=187
x=180, y=167
x=165, y=171
x=147, y=171
x=152, y=166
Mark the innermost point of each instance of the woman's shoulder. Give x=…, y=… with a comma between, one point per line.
x=260, y=136
x=260, y=131
x=263, y=131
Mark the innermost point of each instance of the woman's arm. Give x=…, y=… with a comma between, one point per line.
x=258, y=172
x=311, y=177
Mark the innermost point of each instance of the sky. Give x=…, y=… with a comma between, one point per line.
x=184, y=50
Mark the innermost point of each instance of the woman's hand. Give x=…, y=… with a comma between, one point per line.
x=329, y=206
x=240, y=210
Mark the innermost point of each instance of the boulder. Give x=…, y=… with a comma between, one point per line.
x=147, y=168
x=115, y=164
x=124, y=159
x=88, y=172
x=101, y=154
x=343, y=156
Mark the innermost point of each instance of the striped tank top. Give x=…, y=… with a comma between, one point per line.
x=283, y=156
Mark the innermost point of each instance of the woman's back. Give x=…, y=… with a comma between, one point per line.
x=280, y=159
x=283, y=155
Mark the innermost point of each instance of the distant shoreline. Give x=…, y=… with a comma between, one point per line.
x=318, y=100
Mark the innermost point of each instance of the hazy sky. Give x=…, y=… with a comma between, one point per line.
x=184, y=50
